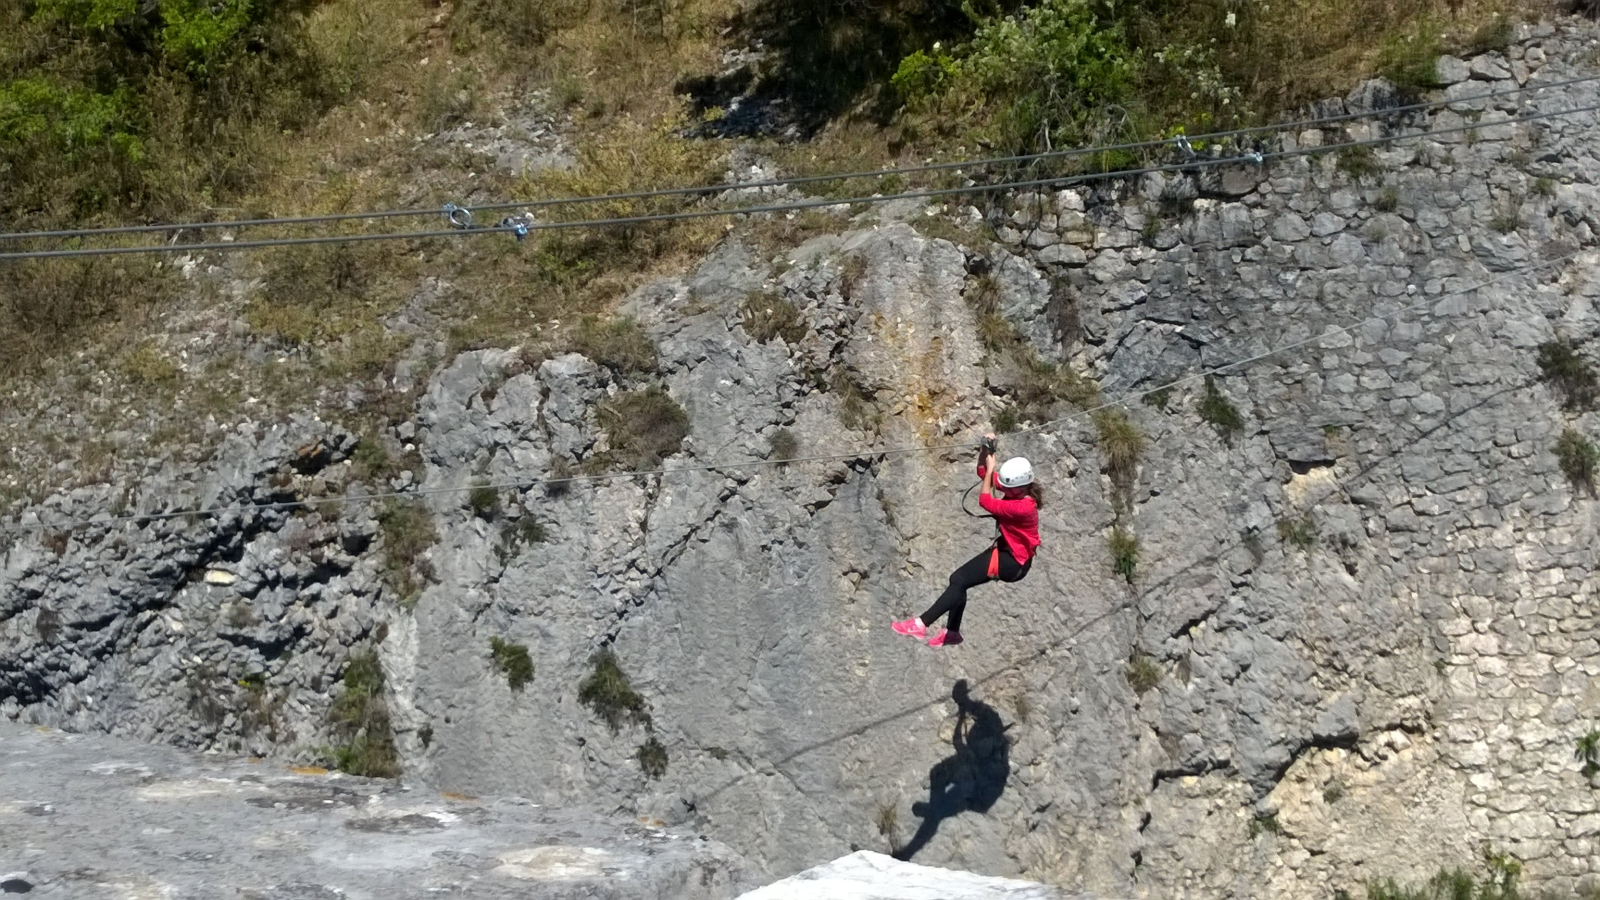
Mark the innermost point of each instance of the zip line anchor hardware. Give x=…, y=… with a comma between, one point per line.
x=1182, y=142
x=459, y=216
x=519, y=225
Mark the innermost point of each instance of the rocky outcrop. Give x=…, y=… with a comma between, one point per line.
x=90, y=817
x=872, y=876
x=1358, y=640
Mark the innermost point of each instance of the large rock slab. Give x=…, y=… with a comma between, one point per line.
x=88, y=817
x=872, y=876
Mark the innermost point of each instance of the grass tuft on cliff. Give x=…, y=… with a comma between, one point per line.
x=360, y=721
x=608, y=692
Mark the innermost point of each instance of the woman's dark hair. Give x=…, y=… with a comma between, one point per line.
x=1031, y=490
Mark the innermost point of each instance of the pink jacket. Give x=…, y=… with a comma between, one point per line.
x=1018, y=519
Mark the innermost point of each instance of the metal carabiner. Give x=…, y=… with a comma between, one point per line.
x=459, y=216
x=518, y=224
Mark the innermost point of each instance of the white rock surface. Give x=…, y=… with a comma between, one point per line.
x=872, y=876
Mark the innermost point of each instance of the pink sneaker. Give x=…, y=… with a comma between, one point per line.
x=911, y=627
x=945, y=638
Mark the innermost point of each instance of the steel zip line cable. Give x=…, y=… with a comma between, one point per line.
x=1059, y=181
x=787, y=182
x=756, y=463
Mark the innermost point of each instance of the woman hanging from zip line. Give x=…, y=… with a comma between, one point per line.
x=1013, y=499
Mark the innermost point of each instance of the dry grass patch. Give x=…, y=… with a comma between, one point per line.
x=408, y=531
x=613, y=60
x=766, y=317
x=1121, y=442
x=620, y=344
x=644, y=427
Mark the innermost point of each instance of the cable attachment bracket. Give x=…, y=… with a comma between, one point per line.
x=459, y=216
x=1254, y=157
x=518, y=224
x=1184, y=147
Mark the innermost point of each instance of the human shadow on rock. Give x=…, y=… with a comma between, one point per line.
x=970, y=779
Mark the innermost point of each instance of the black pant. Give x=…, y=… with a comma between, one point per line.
x=972, y=573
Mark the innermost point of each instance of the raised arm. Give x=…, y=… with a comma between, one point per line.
x=986, y=461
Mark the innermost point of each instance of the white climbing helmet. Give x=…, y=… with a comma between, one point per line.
x=1015, y=472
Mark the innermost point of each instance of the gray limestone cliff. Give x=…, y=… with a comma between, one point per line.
x=1359, y=639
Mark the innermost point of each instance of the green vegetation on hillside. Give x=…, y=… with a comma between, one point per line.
x=513, y=661
x=608, y=692
x=132, y=111
x=110, y=107
x=360, y=721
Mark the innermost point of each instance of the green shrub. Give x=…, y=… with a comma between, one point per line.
x=644, y=426
x=1358, y=162
x=483, y=500
x=766, y=318
x=921, y=76
x=522, y=25
x=1158, y=398
x=783, y=445
x=1055, y=74
x=370, y=460
x=39, y=115
x=148, y=367
x=1561, y=366
x=1502, y=873
x=1124, y=549
x=47, y=305
x=513, y=662
x=313, y=296
x=1122, y=442
x=558, y=481
x=1452, y=884
x=526, y=530
x=1267, y=824
x=1495, y=34
x=1216, y=410
x=120, y=107
x=1544, y=187
x=1142, y=673
x=1408, y=58
x=1333, y=792
x=360, y=720
x=609, y=694
x=1300, y=531
x=652, y=758
x=1579, y=459
x=829, y=54
x=620, y=344
x=1588, y=753
x=1505, y=222
x=1008, y=419
x=407, y=529
x=1388, y=200
x=855, y=412
x=995, y=333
